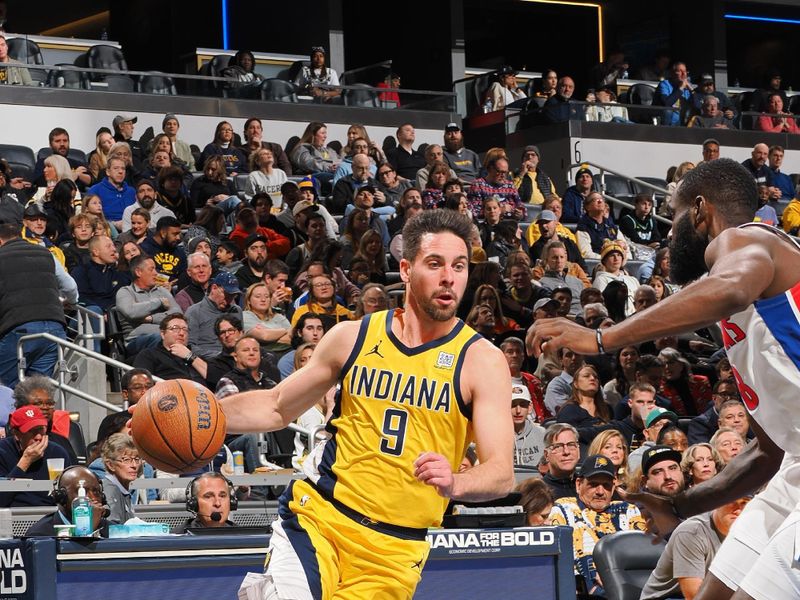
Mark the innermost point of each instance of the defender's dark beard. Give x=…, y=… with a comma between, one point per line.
x=686, y=252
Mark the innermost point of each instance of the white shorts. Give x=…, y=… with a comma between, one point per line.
x=775, y=575
x=750, y=534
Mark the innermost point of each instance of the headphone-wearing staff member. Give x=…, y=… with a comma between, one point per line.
x=210, y=497
x=65, y=490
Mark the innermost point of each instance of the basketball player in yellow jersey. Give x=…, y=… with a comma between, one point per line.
x=417, y=386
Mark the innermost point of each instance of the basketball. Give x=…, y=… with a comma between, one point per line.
x=178, y=426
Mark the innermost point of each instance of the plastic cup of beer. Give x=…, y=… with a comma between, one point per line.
x=55, y=466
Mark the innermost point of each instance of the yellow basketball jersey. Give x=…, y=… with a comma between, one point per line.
x=395, y=403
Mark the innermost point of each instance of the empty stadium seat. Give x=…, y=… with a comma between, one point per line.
x=642, y=94
x=119, y=83
x=107, y=57
x=743, y=103
x=278, y=90
x=156, y=83
x=364, y=96
x=68, y=79
x=213, y=68
x=20, y=159
x=624, y=562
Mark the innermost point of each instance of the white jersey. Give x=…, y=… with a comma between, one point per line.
x=763, y=346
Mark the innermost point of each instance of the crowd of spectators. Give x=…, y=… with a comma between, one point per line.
x=233, y=289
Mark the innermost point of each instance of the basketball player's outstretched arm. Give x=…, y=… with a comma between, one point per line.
x=270, y=410
x=743, y=475
x=487, y=383
x=741, y=269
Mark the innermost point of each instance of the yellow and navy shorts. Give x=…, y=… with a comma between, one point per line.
x=322, y=550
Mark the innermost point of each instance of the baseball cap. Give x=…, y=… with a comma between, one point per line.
x=544, y=302
x=707, y=77
x=303, y=205
x=657, y=454
x=119, y=119
x=520, y=391
x=597, y=464
x=452, y=127
x=227, y=281
x=27, y=417
x=368, y=188
x=33, y=210
x=659, y=413
x=253, y=238
x=583, y=170
x=547, y=216
x=507, y=70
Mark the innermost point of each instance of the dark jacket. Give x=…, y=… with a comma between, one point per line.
x=30, y=288
x=98, y=284
x=10, y=453
x=45, y=527
x=162, y=363
x=203, y=188
x=560, y=488
x=343, y=193
x=703, y=426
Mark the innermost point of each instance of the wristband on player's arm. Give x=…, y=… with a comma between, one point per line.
x=598, y=333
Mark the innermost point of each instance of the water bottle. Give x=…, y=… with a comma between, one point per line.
x=82, y=513
x=487, y=106
x=624, y=74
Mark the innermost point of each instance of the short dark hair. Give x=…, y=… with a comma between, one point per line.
x=646, y=362
x=721, y=382
x=57, y=131
x=297, y=338
x=126, y=378
x=112, y=424
x=275, y=267
x=137, y=262
x=169, y=319
x=9, y=231
x=435, y=221
x=726, y=184
x=167, y=222
x=235, y=322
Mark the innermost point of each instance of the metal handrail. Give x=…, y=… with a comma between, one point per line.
x=86, y=319
x=603, y=170
x=176, y=76
x=61, y=383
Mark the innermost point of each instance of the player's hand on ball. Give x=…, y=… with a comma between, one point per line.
x=434, y=469
x=552, y=334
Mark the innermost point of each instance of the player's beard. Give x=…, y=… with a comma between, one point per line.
x=687, y=252
x=429, y=307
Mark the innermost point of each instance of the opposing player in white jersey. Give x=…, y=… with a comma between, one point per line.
x=753, y=278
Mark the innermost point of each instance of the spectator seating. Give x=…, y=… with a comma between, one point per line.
x=361, y=97
x=640, y=189
x=20, y=159
x=73, y=153
x=624, y=562
x=278, y=90
x=156, y=83
x=28, y=51
x=102, y=56
x=642, y=94
x=68, y=79
x=794, y=105
x=743, y=103
x=213, y=68
x=534, y=83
